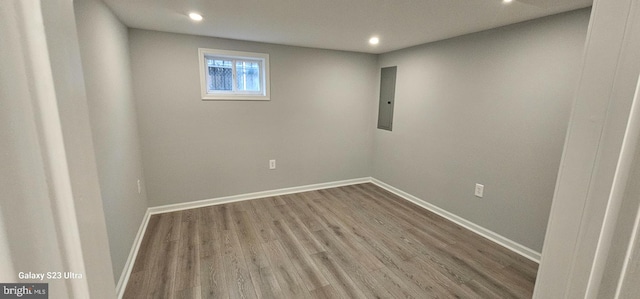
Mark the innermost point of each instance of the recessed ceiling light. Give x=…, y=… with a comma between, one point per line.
x=506, y=1
x=196, y=17
x=374, y=40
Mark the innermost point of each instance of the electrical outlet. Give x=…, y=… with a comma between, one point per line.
x=272, y=164
x=479, y=190
x=139, y=187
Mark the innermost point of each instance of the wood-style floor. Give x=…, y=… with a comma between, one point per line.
x=357, y=241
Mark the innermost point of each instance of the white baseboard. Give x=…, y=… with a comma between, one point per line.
x=496, y=238
x=128, y=266
x=505, y=242
x=248, y=196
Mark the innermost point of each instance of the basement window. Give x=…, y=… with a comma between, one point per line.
x=233, y=75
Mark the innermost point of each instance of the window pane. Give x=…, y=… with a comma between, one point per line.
x=220, y=73
x=248, y=75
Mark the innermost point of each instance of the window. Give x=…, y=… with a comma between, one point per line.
x=233, y=75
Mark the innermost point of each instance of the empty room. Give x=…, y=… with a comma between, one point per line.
x=320, y=149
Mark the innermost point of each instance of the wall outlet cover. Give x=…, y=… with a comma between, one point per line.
x=479, y=192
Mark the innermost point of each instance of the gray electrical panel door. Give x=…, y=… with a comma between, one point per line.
x=387, y=97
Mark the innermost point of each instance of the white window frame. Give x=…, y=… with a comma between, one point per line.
x=262, y=58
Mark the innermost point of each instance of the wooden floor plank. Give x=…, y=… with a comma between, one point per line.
x=237, y=275
x=300, y=230
x=414, y=214
x=360, y=214
x=287, y=276
x=342, y=284
x=144, y=252
x=296, y=203
x=396, y=286
x=350, y=263
x=188, y=261
x=212, y=278
x=189, y=293
x=357, y=241
x=257, y=263
x=160, y=282
x=261, y=221
x=225, y=220
x=393, y=254
x=270, y=288
x=326, y=292
x=300, y=259
x=135, y=286
x=277, y=200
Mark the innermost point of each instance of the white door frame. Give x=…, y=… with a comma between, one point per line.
x=594, y=166
x=63, y=228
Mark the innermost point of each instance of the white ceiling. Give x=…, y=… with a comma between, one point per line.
x=335, y=24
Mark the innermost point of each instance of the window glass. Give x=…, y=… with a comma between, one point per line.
x=248, y=75
x=221, y=74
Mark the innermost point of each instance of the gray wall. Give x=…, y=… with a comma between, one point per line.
x=489, y=108
x=105, y=59
x=318, y=124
